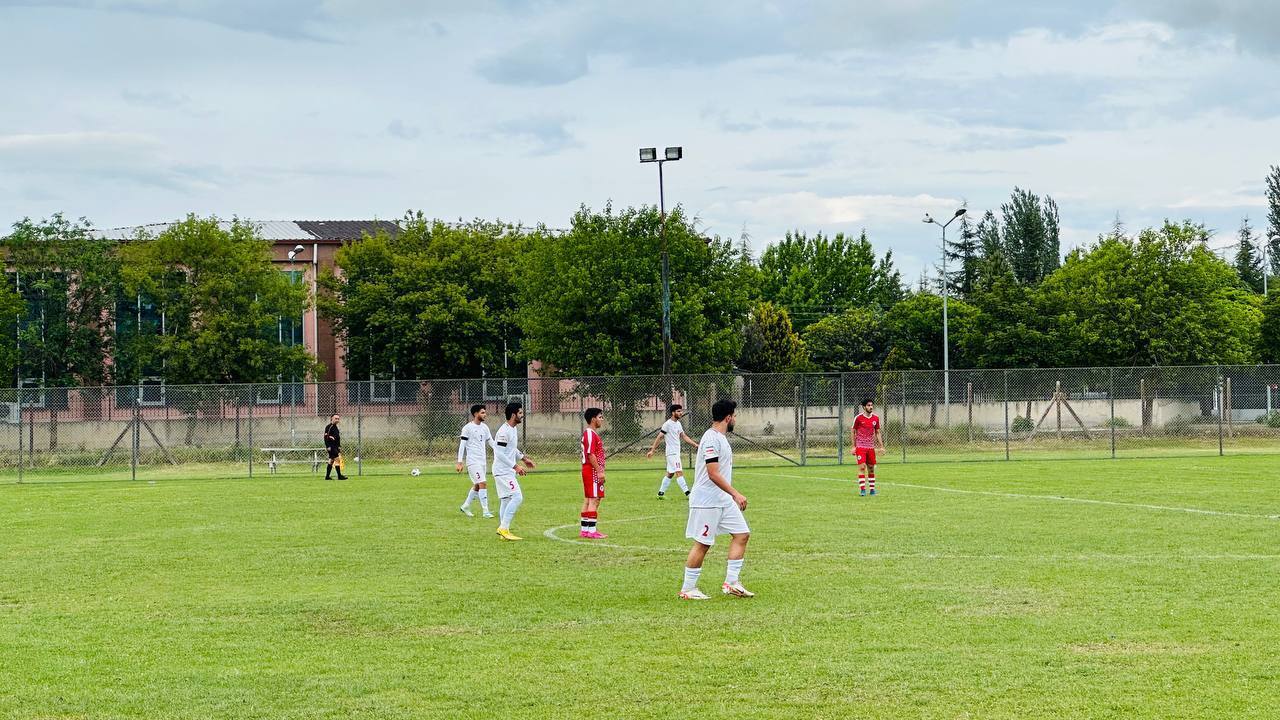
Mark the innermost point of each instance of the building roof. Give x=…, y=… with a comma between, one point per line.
x=326, y=231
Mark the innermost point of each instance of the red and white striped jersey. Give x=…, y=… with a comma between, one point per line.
x=864, y=428
x=592, y=445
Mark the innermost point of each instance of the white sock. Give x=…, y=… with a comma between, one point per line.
x=683, y=486
x=690, y=579
x=732, y=572
x=509, y=510
x=484, y=499
x=502, y=509
x=471, y=495
x=666, y=483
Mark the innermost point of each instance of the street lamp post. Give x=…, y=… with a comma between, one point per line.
x=946, y=347
x=649, y=155
x=293, y=391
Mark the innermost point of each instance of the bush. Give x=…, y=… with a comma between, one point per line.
x=1117, y=422
x=1178, y=424
x=1271, y=420
x=1022, y=425
x=769, y=429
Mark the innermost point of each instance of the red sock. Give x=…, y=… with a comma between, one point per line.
x=862, y=482
x=872, y=480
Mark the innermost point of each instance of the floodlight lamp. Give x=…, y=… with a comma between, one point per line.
x=927, y=218
x=648, y=154
x=674, y=153
x=960, y=212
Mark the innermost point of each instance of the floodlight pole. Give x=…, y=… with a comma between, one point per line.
x=946, y=345
x=651, y=155
x=1266, y=268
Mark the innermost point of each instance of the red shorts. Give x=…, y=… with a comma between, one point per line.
x=591, y=487
x=866, y=456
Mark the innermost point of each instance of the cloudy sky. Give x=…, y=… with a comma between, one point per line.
x=820, y=115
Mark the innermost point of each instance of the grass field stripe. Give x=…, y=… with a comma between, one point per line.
x=550, y=534
x=1059, y=498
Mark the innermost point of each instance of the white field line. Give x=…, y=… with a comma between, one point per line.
x=551, y=534
x=1024, y=496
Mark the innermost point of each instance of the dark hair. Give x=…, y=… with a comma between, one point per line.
x=591, y=413
x=476, y=408
x=673, y=409
x=868, y=400
x=722, y=409
x=512, y=408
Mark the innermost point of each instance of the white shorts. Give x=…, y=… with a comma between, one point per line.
x=673, y=464
x=507, y=486
x=476, y=474
x=706, y=523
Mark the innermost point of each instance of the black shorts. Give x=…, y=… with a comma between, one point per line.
x=334, y=452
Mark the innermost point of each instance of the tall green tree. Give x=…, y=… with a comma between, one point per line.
x=1031, y=235
x=1269, y=329
x=221, y=299
x=591, y=299
x=848, y=342
x=964, y=254
x=433, y=301
x=1248, y=262
x=1273, y=221
x=69, y=280
x=1162, y=298
x=770, y=345
x=817, y=275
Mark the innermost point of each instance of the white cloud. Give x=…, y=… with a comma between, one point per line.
x=807, y=209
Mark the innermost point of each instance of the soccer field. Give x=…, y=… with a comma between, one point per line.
x=1125, y=589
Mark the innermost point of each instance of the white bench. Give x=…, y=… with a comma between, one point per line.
x=296, y=456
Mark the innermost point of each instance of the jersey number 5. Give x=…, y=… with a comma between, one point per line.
x=511, y=484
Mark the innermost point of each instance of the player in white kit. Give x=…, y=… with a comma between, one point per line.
x=673, y=433
x=473, y=448
x=715, y=507
x=507, y=460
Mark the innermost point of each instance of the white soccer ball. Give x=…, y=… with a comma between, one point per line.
x=415, y=472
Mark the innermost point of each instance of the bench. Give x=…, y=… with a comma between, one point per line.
x=298, y=456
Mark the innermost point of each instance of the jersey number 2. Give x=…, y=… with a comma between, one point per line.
x=705, y=529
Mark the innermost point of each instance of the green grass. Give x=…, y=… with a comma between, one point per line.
x=966, y=590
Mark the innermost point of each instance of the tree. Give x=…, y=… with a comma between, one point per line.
x=816, y=276
x=1162, y=298
x=849, y=342
x=591, y=299
x=1247, y=263
x=433, y=301
x=1031, y=236
x=69, y=281
x=1269, y=329
x=914, y=332
x=965, y=255
x=770, y=345
x=1273, y=221
x=221, y=299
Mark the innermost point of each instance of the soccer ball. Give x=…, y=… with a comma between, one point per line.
x=415, y=472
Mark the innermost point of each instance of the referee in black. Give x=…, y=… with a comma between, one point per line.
x=333, y=443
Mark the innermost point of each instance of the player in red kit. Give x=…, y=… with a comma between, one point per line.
x=865, y=436
x=592, y=474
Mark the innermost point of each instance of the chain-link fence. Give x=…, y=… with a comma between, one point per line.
x=390, y=427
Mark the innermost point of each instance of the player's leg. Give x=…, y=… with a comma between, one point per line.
x=481, y=488
x=591, y=518
x=734, y=524
x=662, y=487
x=680, y=481
x=862, y=478
x=509, y=514
x=701, y=529
x=871, y=470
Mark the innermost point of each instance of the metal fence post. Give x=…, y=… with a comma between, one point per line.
x=1222, y=404
x=359, y=425
x=21, y=442
x=904, y=417
x=253, y=398
x=1006, y=414
x=840, y=425
x=1112, y=394
x=133, y=442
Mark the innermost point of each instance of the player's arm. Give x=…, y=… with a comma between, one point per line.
x=596, y=467
x=528, y=461
x=656, y=439
x=713, y=472
x=853, y=438
x=880, y=438
x=462, y=453
x=685, y=437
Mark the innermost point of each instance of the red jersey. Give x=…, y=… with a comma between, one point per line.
x=592, y=445
x=864, y=430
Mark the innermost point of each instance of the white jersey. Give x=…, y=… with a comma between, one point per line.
x=472, y=446
x=713, y=448
x=671, y=432
x=506, y=451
